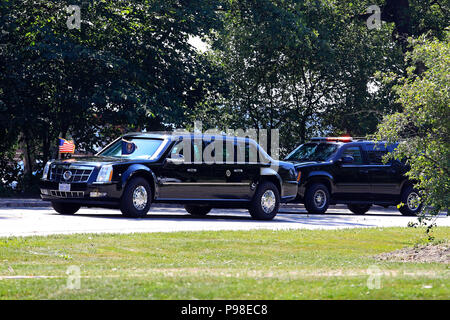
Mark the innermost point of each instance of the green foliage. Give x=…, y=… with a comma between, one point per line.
x=430, y=17
x=303, y=67
x=130, y=67
x=423, y=127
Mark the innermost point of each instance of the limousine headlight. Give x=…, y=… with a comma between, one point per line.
x=46, y=169
x=105, y=173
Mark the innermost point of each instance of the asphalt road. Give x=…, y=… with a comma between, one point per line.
x=45, y=221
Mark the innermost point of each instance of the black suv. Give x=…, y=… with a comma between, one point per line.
x=350, y=171
x=200, y=171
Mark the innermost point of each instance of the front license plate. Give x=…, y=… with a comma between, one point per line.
x=64, y=187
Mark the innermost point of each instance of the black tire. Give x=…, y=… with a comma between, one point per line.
x=270, y=193
x=407, y=208
x=136, y=209
x=311, y=198
x=65, y=208
x=197, y=210
x=359, y=208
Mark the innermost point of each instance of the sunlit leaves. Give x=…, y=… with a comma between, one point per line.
x=423, y=128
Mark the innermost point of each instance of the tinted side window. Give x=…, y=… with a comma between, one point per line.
x=376, y=157
x=198, y=151
x=354, y=152
x=177, y=148
x=246, y=152
x=229, y=151
x=240, y=152
x=190, y=149
x=251, y=153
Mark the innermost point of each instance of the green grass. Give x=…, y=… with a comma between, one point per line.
x=262, y=264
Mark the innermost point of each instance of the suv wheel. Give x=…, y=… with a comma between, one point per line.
x=136, y=198
x=317, y=198
x=266, y=202
x=359, y=208
x=197, y=210
x=410, y=198
x=65, y=208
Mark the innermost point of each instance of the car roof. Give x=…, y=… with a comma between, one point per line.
x=181, y=135
x=367, y=145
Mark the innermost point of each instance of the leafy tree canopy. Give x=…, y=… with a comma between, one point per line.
x=423, y=127
x=129, y=67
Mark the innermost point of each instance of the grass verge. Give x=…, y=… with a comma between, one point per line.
x=260, y=264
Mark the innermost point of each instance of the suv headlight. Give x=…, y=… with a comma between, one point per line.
x=46, y=168
x=105, y=173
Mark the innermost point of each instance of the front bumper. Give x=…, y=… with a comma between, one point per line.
x=82, y=193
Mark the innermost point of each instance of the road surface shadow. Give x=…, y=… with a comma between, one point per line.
x=368, y=214
x=318, y=220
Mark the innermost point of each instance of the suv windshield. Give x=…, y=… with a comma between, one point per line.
x=313, y=152
x=132, y=148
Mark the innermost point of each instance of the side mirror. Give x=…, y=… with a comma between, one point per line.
x=175, y=159
x=347, y=159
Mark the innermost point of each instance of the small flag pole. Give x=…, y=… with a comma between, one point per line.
x=59, y=153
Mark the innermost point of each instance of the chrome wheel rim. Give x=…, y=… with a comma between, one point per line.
x=268, y=201
x=139, y=198
x=320, y=199
x=413, y=201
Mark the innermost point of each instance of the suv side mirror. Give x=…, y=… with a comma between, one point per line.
x=175, y=159
x=347, y=159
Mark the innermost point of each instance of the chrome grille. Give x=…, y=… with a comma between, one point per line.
x=67, y=194
x=79, y=174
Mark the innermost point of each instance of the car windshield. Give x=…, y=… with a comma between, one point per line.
x=313, y=152
x=132, y=148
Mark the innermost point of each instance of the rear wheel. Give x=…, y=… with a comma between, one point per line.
x=197, y=210
x=136, y=198
x=317, y=198
x=266, y=202
x=411, y=202
x=359, y=208
x=65, y=208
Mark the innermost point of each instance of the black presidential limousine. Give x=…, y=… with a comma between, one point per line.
x=199, y=171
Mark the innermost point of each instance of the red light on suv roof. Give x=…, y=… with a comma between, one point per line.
x=341, y=139
x=336, y=139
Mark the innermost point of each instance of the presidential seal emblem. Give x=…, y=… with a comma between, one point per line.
x=67, y=175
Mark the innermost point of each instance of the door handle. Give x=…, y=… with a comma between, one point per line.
x=191, y=170
x=364, y=171
x=238, y=170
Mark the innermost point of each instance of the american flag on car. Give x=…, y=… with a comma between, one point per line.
x=66, y=146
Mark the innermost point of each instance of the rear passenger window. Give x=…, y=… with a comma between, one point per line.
x=240, y=152
x=354, y=152
x=229, y=151
x=251, y=153
x=376, y=157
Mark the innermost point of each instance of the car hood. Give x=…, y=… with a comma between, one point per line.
x=299, y=165
x=91, y=161
x=304, y=164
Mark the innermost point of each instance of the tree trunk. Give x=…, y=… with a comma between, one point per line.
x=26, y=156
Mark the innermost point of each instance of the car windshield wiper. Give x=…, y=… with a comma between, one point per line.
x=115, y=157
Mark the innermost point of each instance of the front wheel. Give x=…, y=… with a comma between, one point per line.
x=317, y=198
x=410, y=200
x=266, y=202
x=197, y=210
x=359, y=208
x=136, y=198
x=65, y=208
